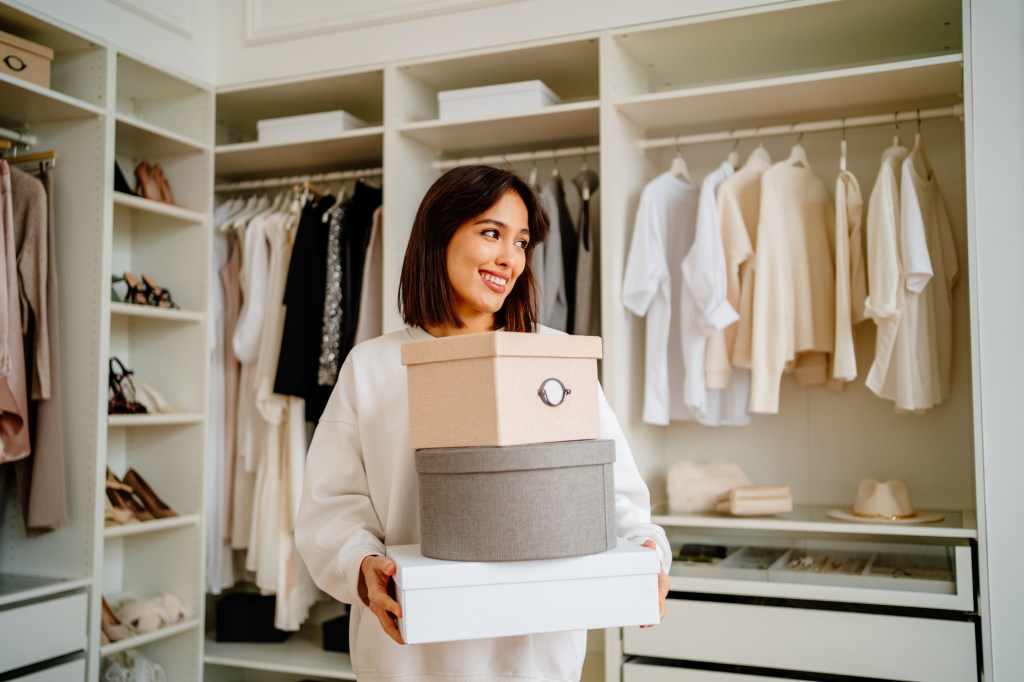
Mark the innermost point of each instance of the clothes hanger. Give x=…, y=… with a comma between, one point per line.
x=918, y=152
x=842, y=149
x=50, y=156
x=734, y=155
x=896, y=135
x=533, y=172
x=759, y=152
x=554, y=168
x=798, y=155
x=679, y=169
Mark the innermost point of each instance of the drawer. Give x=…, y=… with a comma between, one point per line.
x=42, y=630
x=645, y=672
x=837, y=642
x=72, y=671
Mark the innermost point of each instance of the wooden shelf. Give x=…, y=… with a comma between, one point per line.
x=159, y=208
x=352, y=149
x=150, y=637
x=139, y=139
x=154, y=526
x=560, y=125
x=864, y=90
x=815, y=519
x=25, y=102
x=19, y=588
x=155, y=313
x=154, y=419
x=299, y=655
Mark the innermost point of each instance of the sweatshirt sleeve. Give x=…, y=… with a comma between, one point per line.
x=646, y=268
x=883, y=266
x=703, y=267
x=632, y=498
x=337, y=526
x=771, y=316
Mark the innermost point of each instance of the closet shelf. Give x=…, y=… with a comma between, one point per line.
x=150, y=637
x=154, y=526
x=155, y=313
x=25, y=102
x=299, y=655
x=139, y=139
x=178, y=213
x=172, y=419
x=559, y=125
x=815, y=519
x=351, y=149
x=856, y=91
x=15, y=588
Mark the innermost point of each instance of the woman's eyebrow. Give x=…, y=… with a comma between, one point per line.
x=491, y=221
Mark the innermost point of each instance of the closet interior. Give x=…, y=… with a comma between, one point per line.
x=840, y=79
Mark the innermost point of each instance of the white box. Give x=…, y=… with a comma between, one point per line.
x=455, y=600
x=306, y=126
x=494, y=100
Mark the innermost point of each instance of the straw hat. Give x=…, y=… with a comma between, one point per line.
x=884, y=502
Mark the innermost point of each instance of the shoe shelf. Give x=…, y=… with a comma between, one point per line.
x=154, y=526
x=17, y=588
x=155, y=313
x=956, y=524
x=172, y=419
x=356, y=148
x=163, y=633
x=141, y=139
x=159, y=208
x=846, y=92
x=299, y=655
x=558, y=125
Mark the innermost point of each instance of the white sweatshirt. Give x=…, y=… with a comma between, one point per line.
x=360, y=493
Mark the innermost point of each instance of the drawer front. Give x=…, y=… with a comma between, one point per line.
x=644, y=672
x=43, y=630
x=73, y=671
x=842, y=643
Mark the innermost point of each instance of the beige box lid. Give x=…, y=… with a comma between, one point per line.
x=500, y=344
x=27, y=45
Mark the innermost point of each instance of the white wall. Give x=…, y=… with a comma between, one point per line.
x=264, y=40
x=177, y=35
x=997, y=75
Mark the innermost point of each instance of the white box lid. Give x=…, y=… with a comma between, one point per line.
x=500, y=344
x=317, y=117
x=499, y=89
x=419, y=572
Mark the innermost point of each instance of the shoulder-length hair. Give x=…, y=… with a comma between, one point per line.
x=425, y=295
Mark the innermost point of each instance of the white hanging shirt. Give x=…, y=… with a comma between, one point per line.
x=704, y=310
x=666, y=221
x=794, y=299
x=886, y=298
x=850, y=276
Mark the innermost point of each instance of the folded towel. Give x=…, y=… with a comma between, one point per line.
x=756, y=500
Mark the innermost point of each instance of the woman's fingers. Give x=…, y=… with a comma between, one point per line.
x=378, y=573
x=663, y=585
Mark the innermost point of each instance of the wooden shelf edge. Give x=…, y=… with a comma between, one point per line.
x=155, y=526
x=185, y=215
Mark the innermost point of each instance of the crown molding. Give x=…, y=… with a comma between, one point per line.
x=174, y=16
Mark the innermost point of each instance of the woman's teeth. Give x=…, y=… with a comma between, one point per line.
x=493, y=278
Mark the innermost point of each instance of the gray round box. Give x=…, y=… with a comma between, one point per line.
x=518, y=502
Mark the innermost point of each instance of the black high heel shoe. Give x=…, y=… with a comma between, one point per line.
x=157, y=295
x=122, y=390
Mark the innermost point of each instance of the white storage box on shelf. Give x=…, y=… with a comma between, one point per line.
x=306, y=126
x=516, y=503
x=495, y=100
x=455, y=600
x=502, y=388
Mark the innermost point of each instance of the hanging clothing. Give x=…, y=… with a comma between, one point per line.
x=886, y=289
x=587, y=311
x=794, y=298
x=356, y=226
x=739, y=209
x=40, y=478
x=568, y=240
x=851, y=283
x=29, y=210
x=230, y=277
x=704, y=310
x=14, y=417
x=549, y=264
x=666, y=221
x=371, y=314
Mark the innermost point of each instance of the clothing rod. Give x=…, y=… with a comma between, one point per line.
x=298, y=179
x=20, y=138
x=445, y=164
x=808, y=127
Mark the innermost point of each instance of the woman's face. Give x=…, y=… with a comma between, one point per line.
x=485, y=257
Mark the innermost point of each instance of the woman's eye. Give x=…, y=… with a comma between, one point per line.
x=522, y=243
x=493, y=234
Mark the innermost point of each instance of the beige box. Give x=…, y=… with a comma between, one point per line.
x=502, y=388
x=24, y=59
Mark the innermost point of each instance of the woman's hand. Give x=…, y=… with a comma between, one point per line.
x=376, y=572
x=663, y=584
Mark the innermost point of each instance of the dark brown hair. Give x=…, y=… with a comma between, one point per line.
x=425, y=295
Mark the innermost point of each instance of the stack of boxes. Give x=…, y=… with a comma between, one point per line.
x=516, y=494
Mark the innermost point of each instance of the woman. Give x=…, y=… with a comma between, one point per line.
x=467, y=269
